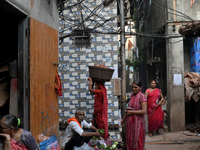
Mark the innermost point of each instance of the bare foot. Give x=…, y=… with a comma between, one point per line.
x=150, y=134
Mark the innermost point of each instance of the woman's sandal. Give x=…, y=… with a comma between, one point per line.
x=150, y=134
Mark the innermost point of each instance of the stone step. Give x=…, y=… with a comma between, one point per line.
x=166, y=129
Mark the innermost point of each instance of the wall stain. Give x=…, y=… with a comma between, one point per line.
x=45, y=123
x=32, y=4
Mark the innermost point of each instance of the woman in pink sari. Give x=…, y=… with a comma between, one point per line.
x=154, y=111
x=135, y=122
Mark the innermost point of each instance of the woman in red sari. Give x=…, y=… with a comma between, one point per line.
x=135, y=121
x=154, y=111
x=100, y=119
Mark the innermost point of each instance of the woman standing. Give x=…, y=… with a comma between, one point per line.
x=154, y=111
x=135, y=121
x=16, y=138
x=100, y=119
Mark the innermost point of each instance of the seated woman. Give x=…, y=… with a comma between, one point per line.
x=14, y=137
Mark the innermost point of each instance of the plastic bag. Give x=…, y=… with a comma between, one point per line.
x=83, y=147
x=42, y=137
x=102, y=142
x=50, y=143
x=93, y=142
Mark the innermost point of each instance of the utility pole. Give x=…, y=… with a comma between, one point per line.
x=123, y=67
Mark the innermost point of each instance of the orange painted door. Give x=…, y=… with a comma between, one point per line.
x=44, y=116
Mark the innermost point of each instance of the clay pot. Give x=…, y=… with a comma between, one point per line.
x=192, y=129
x=110, y=126
x=189, y=25
x=62, y=125
x=187, y=127
x=195, y=24
x=116, y=126
x=198, y=126
x=182, y=29
x=198, y=130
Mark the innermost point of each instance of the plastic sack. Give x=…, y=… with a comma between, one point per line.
x=42, y=137
x=103, y=142
x=83, y=147
x=93, y=142
x=195, y=54
x=50, y=143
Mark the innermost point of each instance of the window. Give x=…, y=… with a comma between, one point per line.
x=81, y=38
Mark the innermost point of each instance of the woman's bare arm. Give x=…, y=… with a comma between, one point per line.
x=161, y=96
x=90, y=87
x=146, y=94
x=123, y=120
x=138, y=112
x=162, y=101
x=7, y=144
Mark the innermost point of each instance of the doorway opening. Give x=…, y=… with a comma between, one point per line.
x=12, y=61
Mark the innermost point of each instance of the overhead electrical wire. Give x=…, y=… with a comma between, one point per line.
x=95, y=27
x=100, y=25
x=76, y=23
x=81, y=23
x=136, y=9
x=92, y=13
x=183, y=15
x=106, y=20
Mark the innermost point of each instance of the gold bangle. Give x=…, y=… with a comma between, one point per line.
x=7, y=140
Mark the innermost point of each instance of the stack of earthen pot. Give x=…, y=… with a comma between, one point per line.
x=193, y=127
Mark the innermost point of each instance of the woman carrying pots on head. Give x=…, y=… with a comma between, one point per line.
x=135, y=121
x=155, y=113
x=100, y=118
x=14, y=137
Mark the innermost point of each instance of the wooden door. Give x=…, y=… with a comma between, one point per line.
x=44, y=116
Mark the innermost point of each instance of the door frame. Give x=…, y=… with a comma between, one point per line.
x=23, y=62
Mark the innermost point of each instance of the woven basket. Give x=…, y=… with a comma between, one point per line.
x=100, y=74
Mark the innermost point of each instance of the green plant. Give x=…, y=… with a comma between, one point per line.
x=135, y=63
x=133, y=17
x=101, y=132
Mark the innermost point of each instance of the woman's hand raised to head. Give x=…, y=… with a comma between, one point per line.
x=89, y=78
x=7, y=144
x=6, y=136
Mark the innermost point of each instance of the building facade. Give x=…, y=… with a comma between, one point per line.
x=87, y=29
x=167, y=52
x=30, y=31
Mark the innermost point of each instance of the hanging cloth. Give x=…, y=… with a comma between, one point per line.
x=58, y=85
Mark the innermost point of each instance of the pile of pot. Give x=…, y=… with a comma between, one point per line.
x=189, y=27
x=193, y=127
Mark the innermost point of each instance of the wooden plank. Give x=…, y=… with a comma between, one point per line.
x=13, y=97
x=43, y=98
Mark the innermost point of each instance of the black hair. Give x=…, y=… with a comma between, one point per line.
x=11, y=121
x=153, y=80
x=138, y=83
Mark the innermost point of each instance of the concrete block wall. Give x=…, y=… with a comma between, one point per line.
x=44, y=11
x=74, y=62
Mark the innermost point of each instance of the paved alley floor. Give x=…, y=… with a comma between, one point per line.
x=184, y=140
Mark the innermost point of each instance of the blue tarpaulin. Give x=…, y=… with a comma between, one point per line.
x=195, y=54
